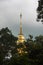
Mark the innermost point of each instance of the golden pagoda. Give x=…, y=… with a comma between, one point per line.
x=21, y=38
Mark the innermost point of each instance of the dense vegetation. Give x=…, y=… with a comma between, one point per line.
x=40, y=11
x=33, y=47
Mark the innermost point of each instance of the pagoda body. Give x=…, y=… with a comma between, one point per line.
x=21, y=38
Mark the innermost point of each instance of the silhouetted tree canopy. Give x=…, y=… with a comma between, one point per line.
x=34, y=48
x=40, y=11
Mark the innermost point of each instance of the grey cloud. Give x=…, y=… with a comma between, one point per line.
x=9, y=16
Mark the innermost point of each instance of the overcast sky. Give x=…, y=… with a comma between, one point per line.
x=9, y=16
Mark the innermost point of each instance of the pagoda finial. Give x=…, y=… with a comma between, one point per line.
x=20, y=23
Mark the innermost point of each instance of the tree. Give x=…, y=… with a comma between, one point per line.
x=40, y=10
x=7, y=42
x=33, y=49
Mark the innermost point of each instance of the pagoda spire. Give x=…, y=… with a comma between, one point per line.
x=20, y=24
x=21, y=37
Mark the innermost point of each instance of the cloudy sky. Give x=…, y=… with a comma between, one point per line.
x=9, y=16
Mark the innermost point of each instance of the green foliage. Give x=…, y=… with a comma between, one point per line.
x=40, y=10
x=34, y=48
